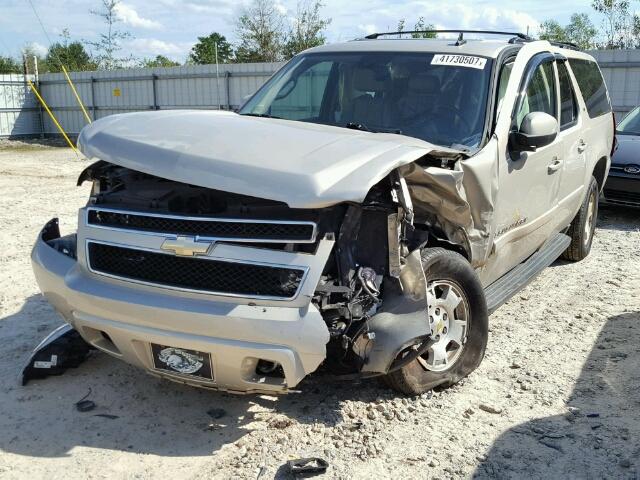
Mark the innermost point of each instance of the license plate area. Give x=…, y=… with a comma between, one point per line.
x=182, y=361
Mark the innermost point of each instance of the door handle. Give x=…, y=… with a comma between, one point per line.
x=582, y=146
x=555, y=165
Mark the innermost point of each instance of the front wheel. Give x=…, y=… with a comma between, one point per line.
x=458, y=313
x=583, y=226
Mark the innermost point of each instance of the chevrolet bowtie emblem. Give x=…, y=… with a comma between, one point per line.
x=186, y=246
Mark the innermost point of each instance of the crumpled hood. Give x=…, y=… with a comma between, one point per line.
x=304, y=165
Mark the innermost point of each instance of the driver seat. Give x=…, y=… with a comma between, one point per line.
x=368, y=107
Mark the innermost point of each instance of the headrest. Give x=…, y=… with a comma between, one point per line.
x=424, y=83
x=364, y=80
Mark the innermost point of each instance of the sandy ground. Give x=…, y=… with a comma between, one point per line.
x=557, y=396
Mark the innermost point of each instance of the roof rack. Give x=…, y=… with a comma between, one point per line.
x=520, y=36
x=568, y=45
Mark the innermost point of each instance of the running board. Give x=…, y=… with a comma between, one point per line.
x=516, y=279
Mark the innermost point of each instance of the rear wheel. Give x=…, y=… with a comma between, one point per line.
x=458, y=312
x=583, y=226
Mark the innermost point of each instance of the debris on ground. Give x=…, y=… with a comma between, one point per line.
x=306, y=467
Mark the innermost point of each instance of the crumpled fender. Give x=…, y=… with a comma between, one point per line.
x=460, y=201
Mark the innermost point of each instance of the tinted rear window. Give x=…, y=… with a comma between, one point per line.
x=591, y=86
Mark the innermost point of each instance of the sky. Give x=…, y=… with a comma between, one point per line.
x=171, y=27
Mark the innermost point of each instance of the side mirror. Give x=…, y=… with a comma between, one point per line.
x=538, y=129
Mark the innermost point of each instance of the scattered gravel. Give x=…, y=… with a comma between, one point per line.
x=557, y=395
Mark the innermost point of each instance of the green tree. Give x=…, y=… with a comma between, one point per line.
x=159, y=61
x=620, y=25
x=581, y=31
x=109, y=43
x=204, y=52
x=420, y=27
x=9, y=65
x=72, y=55
x=307, y=29
x=260, y=29
x=552, y=30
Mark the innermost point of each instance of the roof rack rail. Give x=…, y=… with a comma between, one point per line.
x=520, y=36
x=568, y=45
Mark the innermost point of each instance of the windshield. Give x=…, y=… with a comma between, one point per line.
x=439, y=98
x=630, y=125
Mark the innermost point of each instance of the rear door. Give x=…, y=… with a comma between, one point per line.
x=573, y=137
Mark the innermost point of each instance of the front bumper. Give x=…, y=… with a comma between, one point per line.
x=123, y=319
x=622, y=189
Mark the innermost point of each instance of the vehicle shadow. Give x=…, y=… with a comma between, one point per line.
x=598, y=435
x=614, y=217
x=134, y=411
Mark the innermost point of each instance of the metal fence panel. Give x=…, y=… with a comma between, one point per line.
x=621, y=72
x=18, y=108
x=192, y=86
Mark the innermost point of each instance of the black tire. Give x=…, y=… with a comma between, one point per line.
x=581, y=236
x=440, y=264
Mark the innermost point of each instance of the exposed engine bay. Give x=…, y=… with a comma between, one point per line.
x=373, y=273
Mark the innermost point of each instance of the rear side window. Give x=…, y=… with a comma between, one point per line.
x=591, y=86
x=568, y=104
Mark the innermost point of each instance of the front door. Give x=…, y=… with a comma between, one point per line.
x=529, y=181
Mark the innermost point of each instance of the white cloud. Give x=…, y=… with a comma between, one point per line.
x=36, y=48
x=350, y=20
x=280, y=7
x=150, y=47
x=218, y=7
x=368, y=28
x=128, y=15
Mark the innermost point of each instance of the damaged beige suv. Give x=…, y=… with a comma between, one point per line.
x=366, y=210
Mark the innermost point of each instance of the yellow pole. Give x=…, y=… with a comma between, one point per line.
x=46, y=107
x=73, y=88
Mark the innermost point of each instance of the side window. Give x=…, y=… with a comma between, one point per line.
x=592, y=86
x=540, y=93
x=568, y=104
x=302, y=99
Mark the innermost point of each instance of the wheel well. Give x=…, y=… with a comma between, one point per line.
x=436, y=241
x=599, y=172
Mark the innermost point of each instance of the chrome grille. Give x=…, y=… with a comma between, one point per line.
x=198, y=274
x=241, y=230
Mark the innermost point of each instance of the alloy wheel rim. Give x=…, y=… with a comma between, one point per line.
x=449, y=319
x=589, y=224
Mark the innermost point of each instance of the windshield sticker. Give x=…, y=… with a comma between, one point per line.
x=459, y=61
